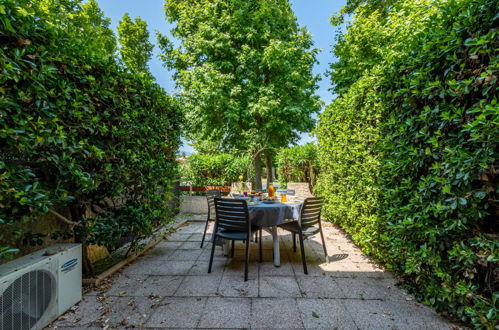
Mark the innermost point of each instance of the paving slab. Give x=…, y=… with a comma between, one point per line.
x=279, y=286
x=159, y=267
x=371, y=288
x=194, y=286
x=233, y=286
x=201, y=267
x=145, y=286
x=179, y=236
x=185, y=255
x=319, y=287
x=226, y=313
x=324, y=314
x=272, y=313
x=177, y=312
x=391, y=314
x=169, y=287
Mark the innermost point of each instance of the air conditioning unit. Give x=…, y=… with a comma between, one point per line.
x=37, y=288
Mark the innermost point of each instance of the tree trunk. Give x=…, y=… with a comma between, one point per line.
x=76, y=212
x=268, y=164
x=258, y=173
x=311, y=173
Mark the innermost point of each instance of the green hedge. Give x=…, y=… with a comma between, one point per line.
x=409, y=154
x=219, y=169
x=76, y=128
x=297, y=164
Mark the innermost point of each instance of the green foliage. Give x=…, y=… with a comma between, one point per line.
x=298, y=164
x=76, y=128
x=136, y=49
x=219, y=169
x=409, y=150
x=244, y=69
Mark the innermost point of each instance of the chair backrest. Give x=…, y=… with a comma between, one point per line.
x=290, y=192
x=210, y=197
x=232, y=214
x=311, y=211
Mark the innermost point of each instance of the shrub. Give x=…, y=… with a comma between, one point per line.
x=297, y=164
x=76, y=128
x=409, y=157
x=216, y=169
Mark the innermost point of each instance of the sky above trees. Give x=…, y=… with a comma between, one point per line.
x=312, y=14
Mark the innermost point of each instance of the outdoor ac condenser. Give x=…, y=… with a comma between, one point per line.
x=37, y=288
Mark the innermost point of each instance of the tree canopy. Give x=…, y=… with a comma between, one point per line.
x=135, y=47
x=244, y=70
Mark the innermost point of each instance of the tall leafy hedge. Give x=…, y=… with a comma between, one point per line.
x=218, y=169
x=298, y=164
x=76, y=128
x=409, y=153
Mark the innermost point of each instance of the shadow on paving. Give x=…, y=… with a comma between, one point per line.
x=169, y=287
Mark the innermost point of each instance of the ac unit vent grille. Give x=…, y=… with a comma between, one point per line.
x=24, y=302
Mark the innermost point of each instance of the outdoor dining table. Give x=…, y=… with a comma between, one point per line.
x=272, y=215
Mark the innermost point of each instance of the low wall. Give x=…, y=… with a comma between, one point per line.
x=194, y=204
x=302, y=189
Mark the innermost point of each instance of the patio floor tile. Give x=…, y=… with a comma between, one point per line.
x=234, y=286
x=319, y=287
x=226, y=313
x=268, y=269
x=370, y=288
x=169, y=287
x=202, y=286
x=201, y=268
x=324, y=314
x=185, y=255
x=178, y=312
x=390, y=314
x=279, y=286
x=271, y=313
x=145, y=286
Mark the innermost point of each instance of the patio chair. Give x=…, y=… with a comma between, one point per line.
x=307, y=225
x=233, y=223
x=210, y=197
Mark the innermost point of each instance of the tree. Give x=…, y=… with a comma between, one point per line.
x=244, y=69
x=136, y=49
x=81, y=138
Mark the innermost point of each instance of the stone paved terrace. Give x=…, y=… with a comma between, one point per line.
x=169, y=287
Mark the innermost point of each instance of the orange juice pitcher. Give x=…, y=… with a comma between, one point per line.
x=271, y=190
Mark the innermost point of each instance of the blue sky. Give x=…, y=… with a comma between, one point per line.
x=313, y=14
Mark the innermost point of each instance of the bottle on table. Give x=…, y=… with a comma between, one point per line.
x=271, y=190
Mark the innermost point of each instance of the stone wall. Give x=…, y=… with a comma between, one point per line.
x=302, y=189
x=193, y=204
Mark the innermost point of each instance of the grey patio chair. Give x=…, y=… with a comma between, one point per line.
x=210, y=197
x=232, y=223
x=290, y=192
x=307, y=225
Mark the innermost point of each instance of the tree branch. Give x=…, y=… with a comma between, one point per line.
x=63, y=218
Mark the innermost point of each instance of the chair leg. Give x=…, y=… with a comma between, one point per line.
x=324, y=246
x=302, y=249
x=212, y=252
x=232, y=251
x=246, y=261
x=204, y=234
x=294, y=241
x=260, y=245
